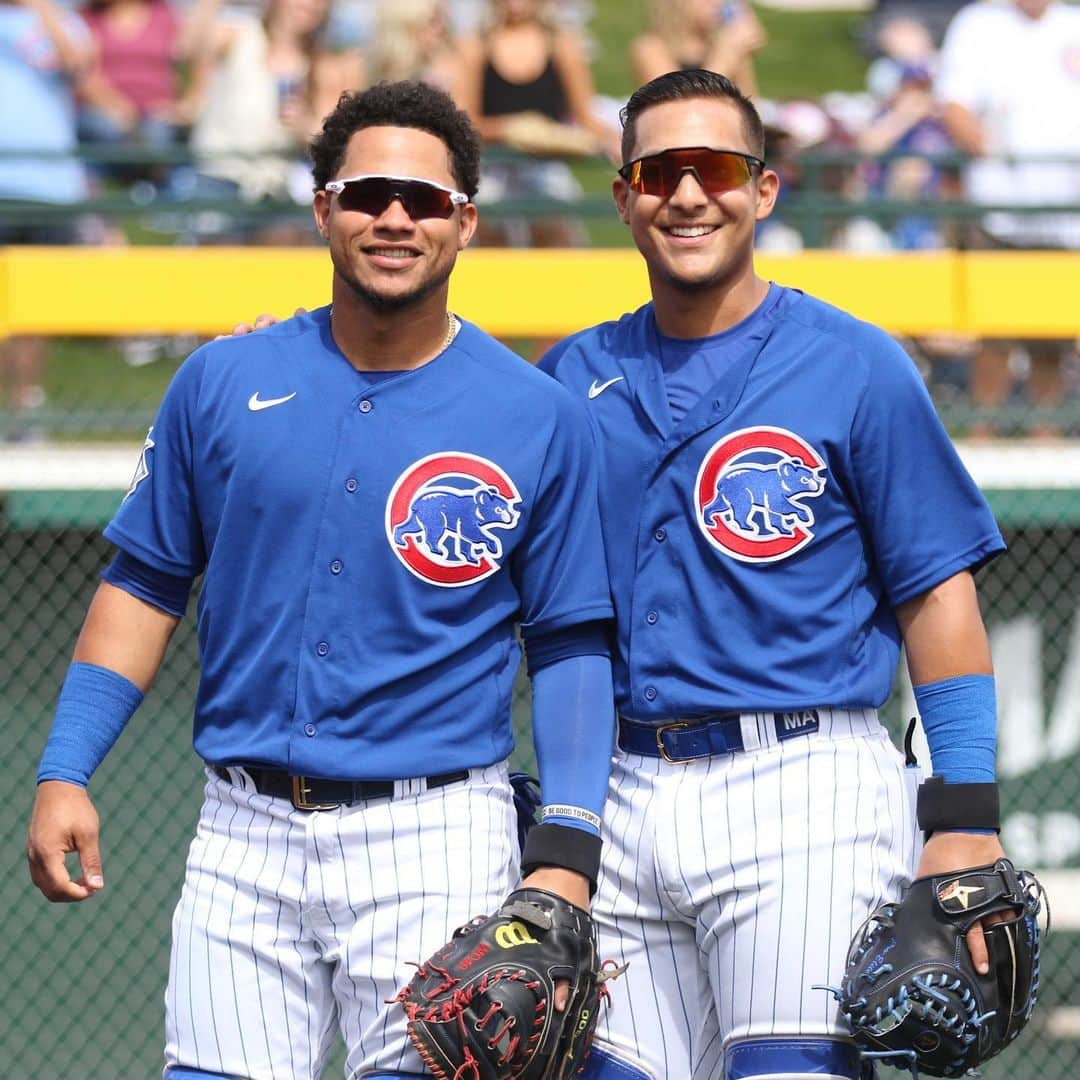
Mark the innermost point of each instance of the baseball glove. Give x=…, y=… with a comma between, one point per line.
x=482, y=1008
x=910, y=991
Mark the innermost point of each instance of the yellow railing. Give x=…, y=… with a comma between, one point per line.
x=537, y=293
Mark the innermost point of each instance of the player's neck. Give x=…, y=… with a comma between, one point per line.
x=373, y=339
x=683, y=313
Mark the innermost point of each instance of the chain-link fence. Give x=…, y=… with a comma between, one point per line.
x=85, y=982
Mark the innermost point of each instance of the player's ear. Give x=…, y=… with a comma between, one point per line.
x=320, y=208
x=620, y=191
x=768, y=188
x=468, y=218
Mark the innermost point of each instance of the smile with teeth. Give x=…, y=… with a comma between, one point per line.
x=690, y=230
x=392, y=253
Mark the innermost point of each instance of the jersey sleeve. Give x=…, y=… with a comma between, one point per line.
x=962, y=72
x=559, y=568
x=158, y=520
x=926, y=518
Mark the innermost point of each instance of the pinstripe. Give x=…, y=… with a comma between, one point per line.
x=264, y=1024
x=780, y=888
x=232, y=922
x=213, y=892
x=806, y=895
x=832, y=872
x=277, y=937
x=354, y=917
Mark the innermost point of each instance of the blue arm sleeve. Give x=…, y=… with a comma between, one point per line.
x=94, y=707
x=165, y=591
x=574, y=731
x=959, y=716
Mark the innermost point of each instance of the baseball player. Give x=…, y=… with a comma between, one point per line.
x=781, y=509
x=374, y=493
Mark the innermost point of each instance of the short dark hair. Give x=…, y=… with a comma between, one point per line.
x=398, y=104
x=681, y=86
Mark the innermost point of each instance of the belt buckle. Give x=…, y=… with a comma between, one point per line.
x=676, y=726
x=301, y=790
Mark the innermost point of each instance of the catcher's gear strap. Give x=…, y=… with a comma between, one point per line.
x=964, y=895
x=793, y=1059
x=562, y=846
x=604, y=1065
x=959, y=716
x=182, y=1072
x=94, y=707
x=943, y=807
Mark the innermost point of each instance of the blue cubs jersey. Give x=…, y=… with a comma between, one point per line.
x=758, y=547
x=367, y=546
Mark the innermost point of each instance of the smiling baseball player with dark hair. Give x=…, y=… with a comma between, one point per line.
x=375, y=493
x=781, y=508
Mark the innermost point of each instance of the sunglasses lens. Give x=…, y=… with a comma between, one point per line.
x=374, y=194
x=717, y=171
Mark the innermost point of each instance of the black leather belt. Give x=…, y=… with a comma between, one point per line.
x=686, y=740
x=314, y=793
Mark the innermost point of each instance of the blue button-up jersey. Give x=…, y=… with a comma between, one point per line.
x=367, y=547
x=759, y=547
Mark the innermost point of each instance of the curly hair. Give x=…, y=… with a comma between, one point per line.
x=398, y=104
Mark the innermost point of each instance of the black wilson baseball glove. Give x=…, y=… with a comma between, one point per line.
x=911, y=993
x=483, y=1007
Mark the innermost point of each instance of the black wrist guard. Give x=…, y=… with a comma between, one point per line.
x=944, y=807
x=564, y=847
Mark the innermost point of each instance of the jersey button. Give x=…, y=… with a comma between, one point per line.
x=651, y=618
x=366, y=406
x=336, y=566
x=322, y=648
x=309, y=729
x=351, y=485
x=660, y=535
x=650, y=693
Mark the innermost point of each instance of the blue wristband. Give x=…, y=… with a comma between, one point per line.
x=94, y=707
x=959, y=716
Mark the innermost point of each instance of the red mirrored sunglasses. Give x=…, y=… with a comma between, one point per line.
x=373, y=194
x=716, y=171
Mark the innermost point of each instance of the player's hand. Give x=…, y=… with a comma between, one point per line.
x=63, y=820
x=260, y=323
x=948, y=851
x=571, y=886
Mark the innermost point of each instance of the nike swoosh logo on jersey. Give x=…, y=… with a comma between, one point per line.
x=254, y=404
x=596, y=390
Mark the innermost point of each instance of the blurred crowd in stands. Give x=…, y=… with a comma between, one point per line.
x=217, y=98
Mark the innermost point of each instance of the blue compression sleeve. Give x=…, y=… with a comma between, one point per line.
x=165, y=591
x=94, y=707
x=574, y=732
x=959, y=716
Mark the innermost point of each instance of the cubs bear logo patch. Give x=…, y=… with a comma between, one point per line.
x=752, y=491
x=445, y=516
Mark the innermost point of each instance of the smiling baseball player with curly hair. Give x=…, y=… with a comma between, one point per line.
x=375, y=494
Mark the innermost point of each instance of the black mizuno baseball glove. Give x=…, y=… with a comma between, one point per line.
x=483, y=1006
x=911, y=993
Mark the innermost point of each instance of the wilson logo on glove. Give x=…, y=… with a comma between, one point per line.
x=496, y=1020
x=512, y=935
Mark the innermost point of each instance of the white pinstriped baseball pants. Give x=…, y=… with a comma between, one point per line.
x=291, y=921
x=734, y=883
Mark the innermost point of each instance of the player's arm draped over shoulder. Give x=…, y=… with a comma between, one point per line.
x=485, y=1001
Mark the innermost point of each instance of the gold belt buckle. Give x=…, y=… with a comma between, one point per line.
x=676, y=726
x=301, y=790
